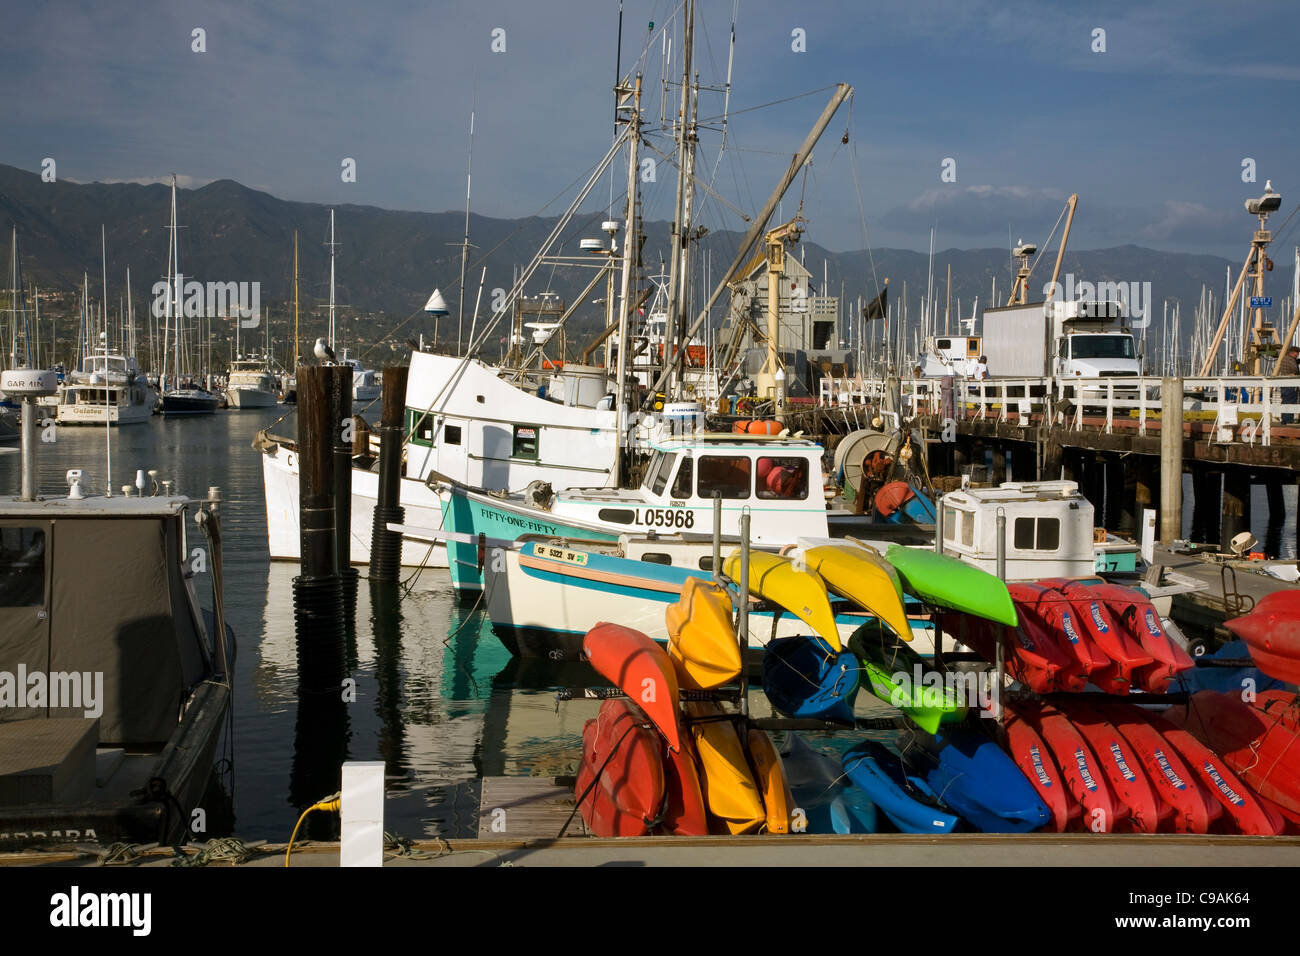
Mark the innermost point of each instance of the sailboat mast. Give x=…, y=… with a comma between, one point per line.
x=103, y=266
x=680, y=240
x=331, y=279
x=295, y=299
x=629, y=252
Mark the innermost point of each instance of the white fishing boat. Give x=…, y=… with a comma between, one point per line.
x=108, y=389
x=249, y=383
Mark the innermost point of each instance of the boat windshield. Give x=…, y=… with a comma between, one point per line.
x=660, y=468
x=1101, y=346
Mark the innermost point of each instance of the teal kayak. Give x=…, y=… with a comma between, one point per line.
x=947, y=582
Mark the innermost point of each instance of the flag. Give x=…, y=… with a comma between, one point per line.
x=878, y=307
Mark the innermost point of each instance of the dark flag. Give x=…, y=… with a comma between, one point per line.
x=878, y=307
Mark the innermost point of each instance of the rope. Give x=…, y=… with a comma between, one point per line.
x=220, y=850
x=120, y=854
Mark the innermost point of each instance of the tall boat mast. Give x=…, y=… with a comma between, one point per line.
x=331, y=279
x=464, y=248
x=103, y=266
x=680, y=242
x=629, y=252
x=295, y=299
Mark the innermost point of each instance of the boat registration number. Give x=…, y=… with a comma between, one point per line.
x=666, y=517
x=561, y=554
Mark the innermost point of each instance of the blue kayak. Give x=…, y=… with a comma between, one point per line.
x=972, y=775
x=907, y=800
x=805, y=677
x=819, y=789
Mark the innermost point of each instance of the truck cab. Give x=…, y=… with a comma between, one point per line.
x=1092, y=340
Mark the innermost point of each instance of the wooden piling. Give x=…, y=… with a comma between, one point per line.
x=1236, y=506
x=1171, y=459
x=385, y=545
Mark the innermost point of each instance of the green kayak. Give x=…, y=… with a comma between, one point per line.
x=901, y=678
x=947, y=582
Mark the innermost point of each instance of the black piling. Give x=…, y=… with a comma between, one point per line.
x=340, y=398
x=1235, y=512
x=317, y=591
x=385, y=545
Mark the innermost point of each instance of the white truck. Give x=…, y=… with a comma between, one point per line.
x=1064, y=340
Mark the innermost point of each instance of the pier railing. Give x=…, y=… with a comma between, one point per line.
x=1239, y=408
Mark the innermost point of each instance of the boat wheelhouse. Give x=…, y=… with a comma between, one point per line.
x=250, y=384
x=108, y=389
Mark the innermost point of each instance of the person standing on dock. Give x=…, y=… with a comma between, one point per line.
x=1288, y=367
x=982, y=369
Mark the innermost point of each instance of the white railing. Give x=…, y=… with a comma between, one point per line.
x=1242, y=408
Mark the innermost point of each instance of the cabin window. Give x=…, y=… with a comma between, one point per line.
x=657, y=557
x=22, y=567
x=685, y=478
x=451, y=434
x=419, y=426
x=724, y=475
x=973, y=346
x=949, y=524
x=525, y=443
x=706, y=563
x=617, y=515
x=943, y=343
x=658, y=477
x=785, y=478
x=1037, y=534
x=967, y=529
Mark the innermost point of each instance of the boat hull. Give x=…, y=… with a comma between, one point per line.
x=249, y=398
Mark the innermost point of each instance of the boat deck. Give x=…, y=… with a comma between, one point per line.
x=1202, y=613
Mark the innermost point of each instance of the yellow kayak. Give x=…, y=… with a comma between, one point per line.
x=769, y=772
x=851, y=572
x=729, y=790
x=878, y=559
x=702, y=643
x=803, y=593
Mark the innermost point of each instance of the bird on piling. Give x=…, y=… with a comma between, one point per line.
x=323, y=352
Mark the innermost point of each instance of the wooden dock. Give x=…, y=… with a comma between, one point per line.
x=527, y=808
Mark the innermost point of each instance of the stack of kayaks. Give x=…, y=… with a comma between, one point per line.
x=641, y=773
x=1129, y=769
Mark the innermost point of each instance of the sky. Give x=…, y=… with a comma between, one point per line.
x=1150, y=121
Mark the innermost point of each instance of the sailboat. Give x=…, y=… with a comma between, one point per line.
x=185, y=396
x=249, y=382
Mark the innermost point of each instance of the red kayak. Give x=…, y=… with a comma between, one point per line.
x=624, y=749
x=1078, y=765
x=1136, y=615
x=1272, y=631
x=1030, y=658
x=1105, y=632
x=1059, y=621
x=1035, y=761
x=639, y=668
x=1122, y=768
x=1258, y=740
x=1247, y=813
x=1194, y=809
x=684, y=810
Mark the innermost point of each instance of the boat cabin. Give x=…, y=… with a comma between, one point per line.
x=1049, y=529
x=777, y=480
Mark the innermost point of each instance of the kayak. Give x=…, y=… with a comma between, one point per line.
x=804, y=677
x=1035, y=761
x=907, y=800
x=625, y=750
x=825, y=801
x=1137, y=616
x=901, y=678
x=1194, y=809
x=1247, y=813
x=702, y=643
x=803, y=593
x=946, y=582
x=729, y=792
x=1078, y=765
x=1030, y=655
x=851, y=573
x=1097, y=620
x=1272, y=631
x=971, y=774
x=769, y=775
x=1057, y=621
x=1257, y=740
x=1120, y=765
x=639, y=668
x=684, y=811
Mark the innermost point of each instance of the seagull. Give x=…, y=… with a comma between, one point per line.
x=323, y=352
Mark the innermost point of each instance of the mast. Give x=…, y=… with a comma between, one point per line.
x=331, y=279
x=103, y=266
x=629, y=253
x=295, y=300
x=464, y=248
x=680, y=240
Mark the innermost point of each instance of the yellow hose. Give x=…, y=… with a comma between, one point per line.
x=330, y=804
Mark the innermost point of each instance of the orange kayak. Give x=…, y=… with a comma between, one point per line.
x=684, y=811
x=769, y=774
x=639, y=668
x=702, y=643
x=627, y=798
x=729, y=791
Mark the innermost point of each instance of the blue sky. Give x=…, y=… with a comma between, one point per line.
x=1151, y=133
